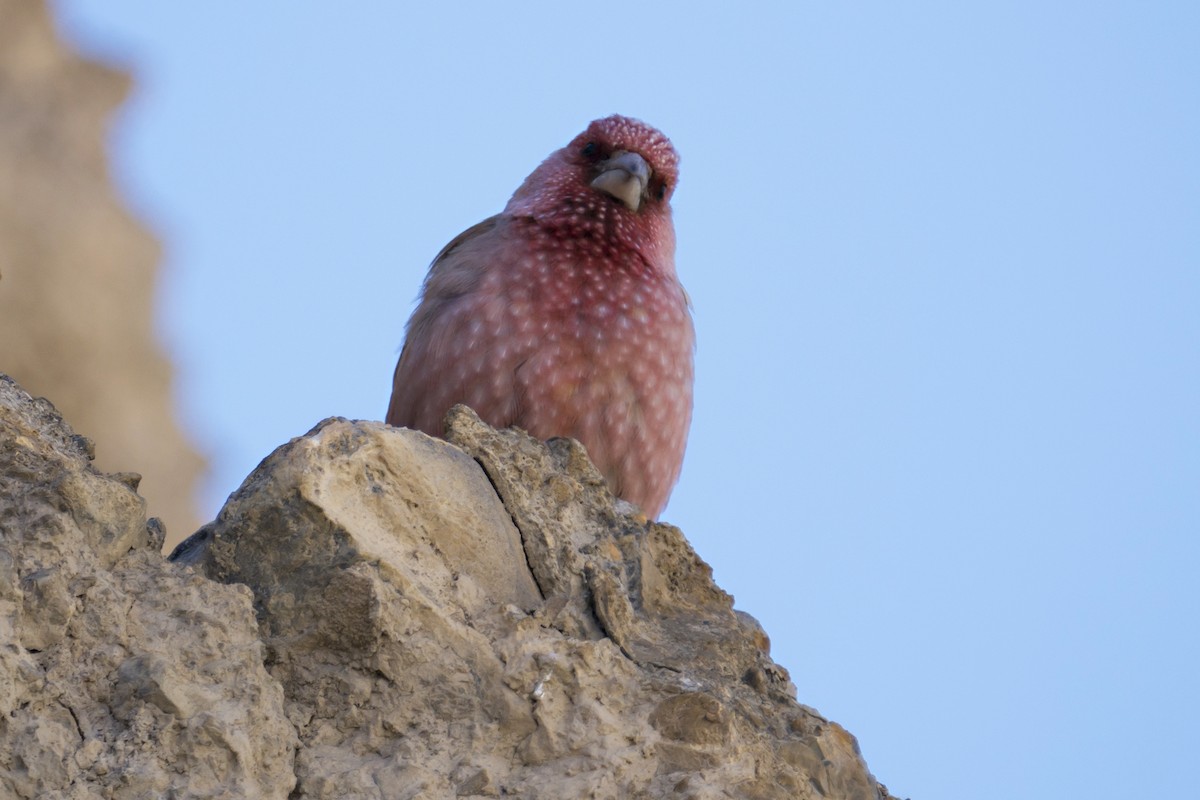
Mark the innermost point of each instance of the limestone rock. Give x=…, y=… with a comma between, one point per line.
x=77, y=271
x=478, y=618
x=121, y=675
x=379, y=614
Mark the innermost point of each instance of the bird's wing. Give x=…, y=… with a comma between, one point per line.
x=422, y=388
x=478, y=229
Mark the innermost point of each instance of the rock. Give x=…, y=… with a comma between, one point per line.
x=78, y=272
x=478, y=618
x=379, y=614
x=121, y=675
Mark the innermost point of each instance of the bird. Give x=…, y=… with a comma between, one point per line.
x=563, y=315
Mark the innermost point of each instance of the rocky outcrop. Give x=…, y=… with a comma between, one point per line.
x=121, y=675
x=379, y=614
x=77, y=271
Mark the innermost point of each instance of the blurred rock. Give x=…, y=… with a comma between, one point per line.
x=379, y=614
x=77, y=272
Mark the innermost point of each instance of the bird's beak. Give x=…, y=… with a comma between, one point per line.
x=624, y=176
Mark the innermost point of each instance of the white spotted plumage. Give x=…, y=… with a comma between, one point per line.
x=563, y=315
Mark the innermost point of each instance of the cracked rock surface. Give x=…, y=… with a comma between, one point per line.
x=121, y=675
x=379, y=614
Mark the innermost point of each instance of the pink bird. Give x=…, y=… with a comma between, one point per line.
x=562, y=315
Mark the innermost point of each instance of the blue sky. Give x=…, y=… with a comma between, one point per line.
x=945, y=261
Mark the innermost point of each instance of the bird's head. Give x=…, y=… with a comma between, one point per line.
x=627, y=160
x=615, y=179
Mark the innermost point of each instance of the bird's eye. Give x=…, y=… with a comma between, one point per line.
x=662, y=190
x=590, y=150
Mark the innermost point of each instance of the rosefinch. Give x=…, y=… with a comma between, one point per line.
x=562, y=315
